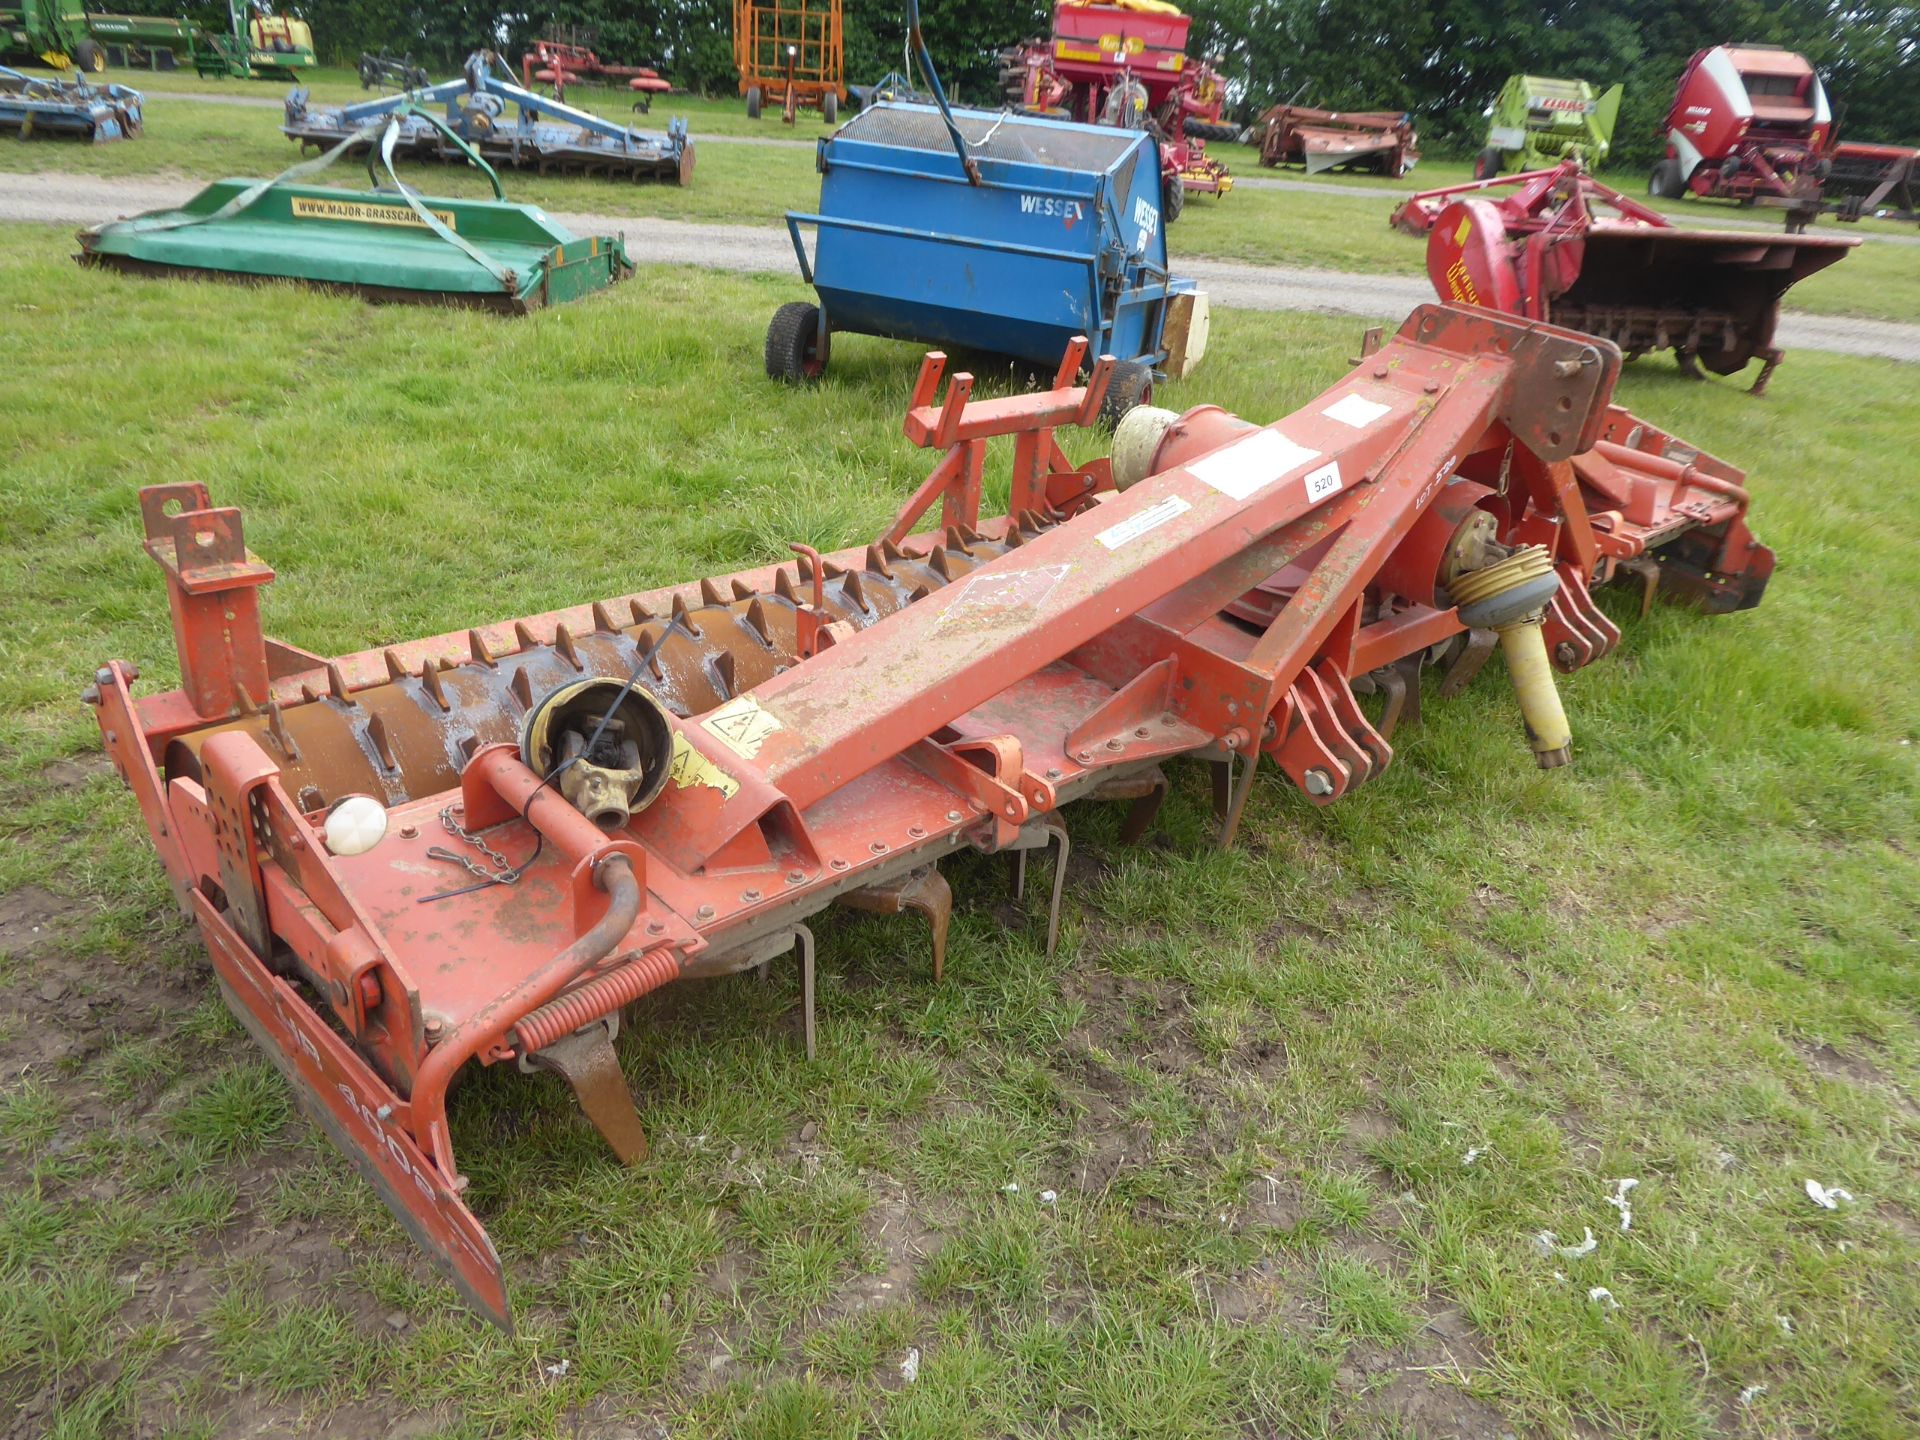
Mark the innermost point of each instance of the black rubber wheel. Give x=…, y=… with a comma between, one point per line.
x=1131, y=385
x=644, y=105
x=796, y=351
x=89, y=58
x=1486, y=165
x=1208, y=130
x=1173, y=199
x=753, y=102
x=829, y=107
x=1664, y=183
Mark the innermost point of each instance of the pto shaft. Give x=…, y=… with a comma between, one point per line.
x=1510, y=598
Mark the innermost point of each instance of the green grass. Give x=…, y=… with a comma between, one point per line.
x=757, y=185
x=1251, y=1077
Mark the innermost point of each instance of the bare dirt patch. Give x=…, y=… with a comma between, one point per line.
x=1421, y=1387
x=26, y=921
x=1857, y=1069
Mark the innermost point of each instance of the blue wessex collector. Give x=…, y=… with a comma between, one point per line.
x=1043, y=231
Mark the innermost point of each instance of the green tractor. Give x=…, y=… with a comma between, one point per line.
x=53, y=32
x=1537, y=123
x=68, y=35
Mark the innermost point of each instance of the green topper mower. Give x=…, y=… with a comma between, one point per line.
x=388, y=243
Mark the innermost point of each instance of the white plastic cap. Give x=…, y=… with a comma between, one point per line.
x=356, y=825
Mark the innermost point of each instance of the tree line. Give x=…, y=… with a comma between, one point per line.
x=1443, y=60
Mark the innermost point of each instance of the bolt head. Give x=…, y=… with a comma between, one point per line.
x=953, y=817
x=705, y=912
x=749, y=896
x=1318, y=782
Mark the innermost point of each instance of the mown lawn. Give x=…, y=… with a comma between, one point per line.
x=757, y=185
x=1253, y=1080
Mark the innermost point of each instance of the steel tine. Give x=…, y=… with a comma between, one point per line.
x=1059, y=833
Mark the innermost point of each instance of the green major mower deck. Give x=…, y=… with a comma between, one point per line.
x=388, y=244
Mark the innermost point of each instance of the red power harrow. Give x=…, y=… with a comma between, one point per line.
x=481, y=847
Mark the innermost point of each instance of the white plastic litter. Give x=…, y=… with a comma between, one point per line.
x=1603, y=1297
x=910, y=1367
x=1473, y=1154
x=1012, y=1187
x=1047, y=1197
x=1548, y=1244
x=1786, y=1325
x=1827, y=1198
x=558, y=1370
x=1622, y=1189
x=1752, y=1393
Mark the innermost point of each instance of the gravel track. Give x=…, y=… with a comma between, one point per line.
x=1244, y=182
x=89, y=200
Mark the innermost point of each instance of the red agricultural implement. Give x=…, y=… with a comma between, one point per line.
x=1748, y=123
x=1874, y=181
x=481, y=848
x=1382, y=141
x=1558, y=245
x=1127, y=65
x=792, y=49
x=559, y=64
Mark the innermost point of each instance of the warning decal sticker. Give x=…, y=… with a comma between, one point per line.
x=742, y=725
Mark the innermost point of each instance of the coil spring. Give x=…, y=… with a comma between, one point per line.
x=601, y=996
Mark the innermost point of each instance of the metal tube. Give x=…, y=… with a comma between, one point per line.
x=1687, y=477
x=571, y=833
x=615, y=876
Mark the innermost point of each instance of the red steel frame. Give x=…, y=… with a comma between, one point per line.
x=1382, y=140
x=1097, y=642
x=562, y=63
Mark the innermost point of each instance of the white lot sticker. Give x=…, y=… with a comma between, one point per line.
x=1251, y=464
x=983, y=599
x=1324, y=481
x=741, y=725
x=1134, y=526
x=1356, y=410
